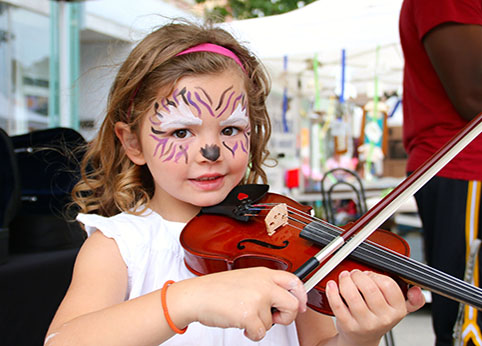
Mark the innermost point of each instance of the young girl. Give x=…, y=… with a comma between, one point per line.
x=186, y=122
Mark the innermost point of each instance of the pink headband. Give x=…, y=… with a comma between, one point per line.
x=214, y=48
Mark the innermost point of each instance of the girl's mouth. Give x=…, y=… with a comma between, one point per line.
x=208, y=182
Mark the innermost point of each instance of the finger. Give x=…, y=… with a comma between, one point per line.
x=255, y=330
x=387, y=289
x=266, y=317
x=294, y=285
x=286, y=308
x=338, y=307
x=350, y=291
x=415, y=299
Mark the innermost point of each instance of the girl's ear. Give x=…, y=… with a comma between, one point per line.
x=130, y=142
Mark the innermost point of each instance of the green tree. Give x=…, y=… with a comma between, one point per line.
x=244, y=9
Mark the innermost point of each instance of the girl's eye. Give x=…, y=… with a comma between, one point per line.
x=230, y=131
x=181, y=133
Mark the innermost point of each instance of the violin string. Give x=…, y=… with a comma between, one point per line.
x=297, y=212
x=411, y=264
x=438, y=281
x=411, y=268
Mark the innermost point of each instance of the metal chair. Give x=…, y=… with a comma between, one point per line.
x=336, y=180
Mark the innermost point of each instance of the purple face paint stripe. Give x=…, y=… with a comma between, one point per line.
x=163, y=103
x=222, y=97
x=182, y=152
x=194, y=104
x=246, y=137
x=159, y=143
x=205, y=94
x=168, y=150
x=227, y=104
x=235, y=148
x=242, y=147
x=176, y=91
x=235, y=101
x=158, y=123
x=170, y=156
x=204, y=104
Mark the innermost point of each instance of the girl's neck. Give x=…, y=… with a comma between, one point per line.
x=176, y=211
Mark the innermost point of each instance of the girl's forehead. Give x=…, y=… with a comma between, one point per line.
x=212, y=84
x=196, y=99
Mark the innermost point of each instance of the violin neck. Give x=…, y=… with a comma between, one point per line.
x=402, y=266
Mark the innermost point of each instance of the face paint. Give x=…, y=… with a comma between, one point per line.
x=239, y=119
x=210, y=152
x=176, y=114
x=225, y=99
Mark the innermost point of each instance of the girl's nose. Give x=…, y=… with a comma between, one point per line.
x=211, y=152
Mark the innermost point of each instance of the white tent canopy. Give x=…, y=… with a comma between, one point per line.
x=325, y=27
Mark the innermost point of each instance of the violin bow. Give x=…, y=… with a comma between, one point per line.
x=340, y=248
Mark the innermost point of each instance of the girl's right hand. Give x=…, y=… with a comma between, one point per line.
x=241, y=298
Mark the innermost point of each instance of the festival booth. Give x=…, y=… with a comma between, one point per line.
x=337, y=71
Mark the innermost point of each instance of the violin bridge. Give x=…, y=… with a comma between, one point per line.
x=276, y=218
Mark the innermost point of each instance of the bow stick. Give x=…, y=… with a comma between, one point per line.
x=369, y=222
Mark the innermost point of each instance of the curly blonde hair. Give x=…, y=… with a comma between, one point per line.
x=110, y=181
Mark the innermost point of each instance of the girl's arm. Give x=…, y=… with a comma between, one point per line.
x=366, y=306
x=94, y=312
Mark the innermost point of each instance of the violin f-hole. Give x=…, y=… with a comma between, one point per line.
x=241, y=245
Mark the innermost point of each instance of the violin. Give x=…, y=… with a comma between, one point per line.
x=253, y=227
x=215, y=241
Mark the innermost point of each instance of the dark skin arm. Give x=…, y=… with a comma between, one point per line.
x=455, y=51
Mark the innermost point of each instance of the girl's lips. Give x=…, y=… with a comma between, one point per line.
x=208, y=182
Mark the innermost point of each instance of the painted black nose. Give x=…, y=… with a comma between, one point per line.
x=210, y=152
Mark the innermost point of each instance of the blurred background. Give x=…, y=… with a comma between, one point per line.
x=336, y=70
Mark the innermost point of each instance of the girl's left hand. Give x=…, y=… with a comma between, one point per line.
x=367, y=305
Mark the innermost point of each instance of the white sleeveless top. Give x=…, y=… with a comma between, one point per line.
x=153, y=254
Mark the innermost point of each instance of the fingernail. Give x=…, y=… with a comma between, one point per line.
x=331, y=285
x=344, y=274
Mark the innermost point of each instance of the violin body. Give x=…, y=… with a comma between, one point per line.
x=215, y=243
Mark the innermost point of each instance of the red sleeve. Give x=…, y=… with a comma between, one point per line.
x=430, y=13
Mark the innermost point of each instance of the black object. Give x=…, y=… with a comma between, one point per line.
x=9, y=191
x=237, y=203
x=32, y=286
x=48, y=168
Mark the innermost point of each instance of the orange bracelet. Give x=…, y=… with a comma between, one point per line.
x=164, y=308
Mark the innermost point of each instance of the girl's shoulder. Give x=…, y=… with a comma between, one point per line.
x=136, y=234
x=146, y=227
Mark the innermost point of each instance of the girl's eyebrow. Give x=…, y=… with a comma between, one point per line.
x=238, y=117
x=180, y=116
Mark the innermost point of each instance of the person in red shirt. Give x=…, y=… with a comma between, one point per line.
x=442, y=91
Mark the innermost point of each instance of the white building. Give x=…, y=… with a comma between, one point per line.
x=57, y=58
